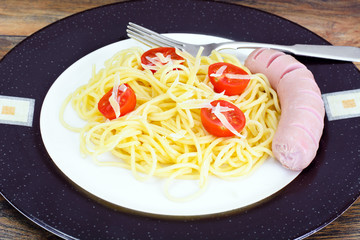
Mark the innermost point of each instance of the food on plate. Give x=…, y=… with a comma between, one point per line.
x=180, y=127
x=212, y=120
x=118, y=101
x=228, y=78
x=302, y=117
x=156, y=57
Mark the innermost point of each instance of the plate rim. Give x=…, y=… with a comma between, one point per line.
x=9, y=54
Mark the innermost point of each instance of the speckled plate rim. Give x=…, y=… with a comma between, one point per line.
x=321, y=205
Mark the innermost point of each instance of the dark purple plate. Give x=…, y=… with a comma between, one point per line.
x=33, y=185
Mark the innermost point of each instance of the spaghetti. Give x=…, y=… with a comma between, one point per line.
x=164, y=136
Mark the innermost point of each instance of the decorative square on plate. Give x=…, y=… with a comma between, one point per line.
x=341, y=105
x=16, y=110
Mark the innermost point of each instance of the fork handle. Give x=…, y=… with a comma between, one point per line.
x=344, y=53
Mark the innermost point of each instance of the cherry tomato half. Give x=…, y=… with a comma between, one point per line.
x=231, y=85
x=214, y=126
x=166, y=51
x=127, y=100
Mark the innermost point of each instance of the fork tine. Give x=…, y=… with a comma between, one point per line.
x=142, y=29
x=146, y=40
x=140, y=38
x=147, y=34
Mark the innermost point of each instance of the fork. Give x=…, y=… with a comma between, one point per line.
x=153, y=39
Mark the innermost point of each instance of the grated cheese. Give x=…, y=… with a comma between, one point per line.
x=150, y=67
x=219, y=72
x=237, y=76
x=122, y=88
x=217, y=110
x=115, y=106
x=222, y=94
x=154, y=61
x=221, y=109
x=114, y=95
x=162, y=58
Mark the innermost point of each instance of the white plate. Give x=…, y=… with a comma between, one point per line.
x=117, y=185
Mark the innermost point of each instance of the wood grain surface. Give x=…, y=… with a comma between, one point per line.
x=336, y=21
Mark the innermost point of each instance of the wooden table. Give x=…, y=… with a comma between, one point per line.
x=336, y=21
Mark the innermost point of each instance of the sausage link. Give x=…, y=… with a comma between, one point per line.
x=302, y=109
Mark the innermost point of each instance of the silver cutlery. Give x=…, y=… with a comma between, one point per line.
x=153, y=39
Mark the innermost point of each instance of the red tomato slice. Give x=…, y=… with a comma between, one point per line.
x=127, y=100
x=214, y=126
x=231, y=86
x=151, y=54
